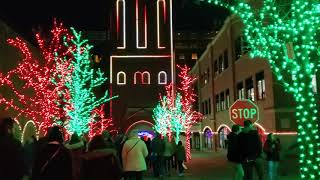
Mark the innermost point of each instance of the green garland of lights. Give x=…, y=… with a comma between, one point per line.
x=274, y=30
x=82, y=82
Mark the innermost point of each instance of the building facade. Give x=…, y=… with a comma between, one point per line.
x=226, y=74
x=141, y=59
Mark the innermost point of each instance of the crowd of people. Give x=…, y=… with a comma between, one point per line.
x=101, y=157
x=246, y=153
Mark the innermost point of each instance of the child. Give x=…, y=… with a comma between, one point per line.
x=181, y=156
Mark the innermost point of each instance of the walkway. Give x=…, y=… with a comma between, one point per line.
x=213, y=166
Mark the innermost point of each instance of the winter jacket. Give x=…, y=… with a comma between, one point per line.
x=12, y=164
x=99, y=165
x=53, y=162
x=134, y=153
x=233, y=154
x=181, y=153
x=77, y=149
x=250, y=145
x=168, y=150
x=157, y=147
x=272, y=150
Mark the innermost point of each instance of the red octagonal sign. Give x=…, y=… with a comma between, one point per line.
x=243, y=109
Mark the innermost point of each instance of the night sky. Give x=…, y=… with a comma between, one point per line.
x=25, y=15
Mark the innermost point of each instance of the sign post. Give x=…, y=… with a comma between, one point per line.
x=243, y=109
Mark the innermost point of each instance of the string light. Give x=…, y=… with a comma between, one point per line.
x=188, y=98
x=37, y=97
x=100, y=123
x=285, y=35
x=83, y=80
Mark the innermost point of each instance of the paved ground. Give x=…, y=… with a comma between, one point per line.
x=213, y=166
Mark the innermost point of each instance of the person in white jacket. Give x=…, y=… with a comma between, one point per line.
x=134, y=153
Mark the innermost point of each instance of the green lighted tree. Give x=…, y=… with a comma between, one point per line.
x=284, y=33
x=81, y=84
x=169, y=115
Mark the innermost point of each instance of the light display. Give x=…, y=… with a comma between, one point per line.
x=162, y=77
x=187, y=100
x=83, y=80
x=113, y=58
x=137, y=26
x=121, y=78
x=160, y=3
x=123, y=22
x=168, y=114
x=100, y=123
x=35, y=83
x=285, y=34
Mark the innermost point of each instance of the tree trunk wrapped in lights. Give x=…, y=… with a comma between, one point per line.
x=286, y=34
x=82, y=82
x=39, y=98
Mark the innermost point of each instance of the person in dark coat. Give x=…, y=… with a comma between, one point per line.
x=77, y=148
x=181, y=157
x=12, y=162
x=100, y=163
x=233, y=154
x=156, y=156
x=54, y=160
x=272, y=149
x=250, y=151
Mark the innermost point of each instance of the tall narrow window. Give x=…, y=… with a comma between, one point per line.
x=216, y=68
x=137, y=78
x=227, y=98
x=121, y=24
x=221, y=68
x=249, y=88
x=141, y=25
x=240, y=90
x=121, y=78
x=225, y=59
x=261, y=87
x=162, y=77
x=217, y=103
x=222, y=102
x=145, y=77
x=237, y=45
x=161, y=21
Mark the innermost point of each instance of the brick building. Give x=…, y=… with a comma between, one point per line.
x=226, y=74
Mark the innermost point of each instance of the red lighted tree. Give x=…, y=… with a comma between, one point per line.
x=40, y=97
x=100, y=123
x=188, y=99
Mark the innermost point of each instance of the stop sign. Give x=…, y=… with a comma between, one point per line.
x=243, y=109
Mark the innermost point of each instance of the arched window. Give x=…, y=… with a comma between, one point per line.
x=137, y=78
x=121, y=78
x=142, y=78
x=162, y=77
x=121, y=24
x=145, y=77
x=161, y=21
